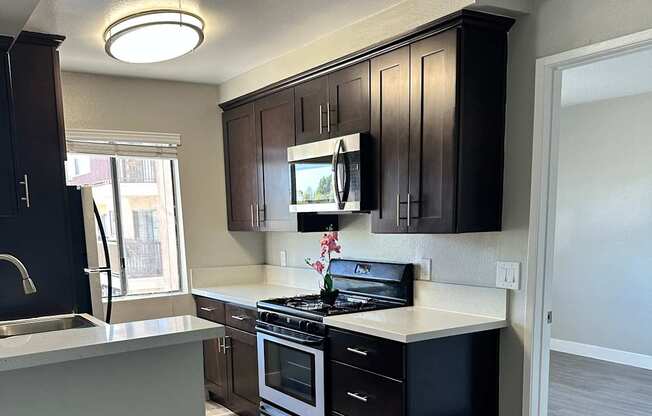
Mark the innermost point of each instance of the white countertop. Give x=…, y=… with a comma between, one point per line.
x=413, y=324
x=74, y=344
x=249, y=294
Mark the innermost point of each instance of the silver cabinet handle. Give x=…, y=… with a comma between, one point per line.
x=219, y=345
x=251, y=208
x=26, y=198
x=239, y=318
x=224, y=346
x=398, y=210
x=328, y=115
x=205, y=309
x=357, y=396
x=257, y=216
x=321, y=119
x=409, y=204
x=357, y=351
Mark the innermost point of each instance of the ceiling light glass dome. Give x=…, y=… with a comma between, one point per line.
x=154, y=36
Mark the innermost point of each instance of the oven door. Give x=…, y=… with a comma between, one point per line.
x=291, y=374
x=326, y=175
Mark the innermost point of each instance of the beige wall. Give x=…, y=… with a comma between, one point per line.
x=602, y=261
x=115, y=103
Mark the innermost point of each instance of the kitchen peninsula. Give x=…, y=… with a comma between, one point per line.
x=152, y=367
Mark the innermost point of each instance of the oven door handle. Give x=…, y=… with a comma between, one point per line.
x=290, y=338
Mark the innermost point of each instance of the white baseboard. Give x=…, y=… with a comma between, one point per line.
x=601, y=353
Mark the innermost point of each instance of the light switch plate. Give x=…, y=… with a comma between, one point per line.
x=284, y=258
x=424, y=266
x=508, y=275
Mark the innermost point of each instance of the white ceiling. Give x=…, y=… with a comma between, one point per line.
x=14, y=14
x=240, y=34
x=620, y=76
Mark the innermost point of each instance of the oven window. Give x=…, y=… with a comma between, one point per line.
x=313, y=181
x=290, y=371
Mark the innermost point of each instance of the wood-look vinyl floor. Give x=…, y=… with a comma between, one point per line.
x=581, y=386
x=214, y=409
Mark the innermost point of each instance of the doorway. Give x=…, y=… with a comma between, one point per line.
x=590, y=254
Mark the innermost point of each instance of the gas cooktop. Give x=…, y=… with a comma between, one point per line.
x=363, y=286
x=345, y=303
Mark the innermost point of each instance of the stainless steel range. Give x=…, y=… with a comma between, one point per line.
x=293, y=340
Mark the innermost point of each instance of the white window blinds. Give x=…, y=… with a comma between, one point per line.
x=123, y=143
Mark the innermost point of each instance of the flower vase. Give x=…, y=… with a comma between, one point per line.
x=329, y=296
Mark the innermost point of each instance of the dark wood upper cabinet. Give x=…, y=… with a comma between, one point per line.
x=311, y=99
x=333, y=105
x=433, y=101
x=240, y=160
x=390, y=125
x=433, y=161
x=275, y=132
x=348, y=100
x=456, y=132
x=8, y=195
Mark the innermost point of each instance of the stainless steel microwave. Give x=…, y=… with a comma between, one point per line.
x=334, y=175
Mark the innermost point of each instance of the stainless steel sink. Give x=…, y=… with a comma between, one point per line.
x=44, y=325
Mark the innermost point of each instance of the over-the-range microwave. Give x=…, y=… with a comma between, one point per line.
x=334, y=175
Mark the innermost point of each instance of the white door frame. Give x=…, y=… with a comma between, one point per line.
x=542, y=207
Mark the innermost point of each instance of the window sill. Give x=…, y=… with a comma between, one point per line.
x=147, y=297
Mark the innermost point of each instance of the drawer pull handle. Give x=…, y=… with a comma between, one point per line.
x=357, y=351
x=238, y=318
x=205, y=309
x=357, y=396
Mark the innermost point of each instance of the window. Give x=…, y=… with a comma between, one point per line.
x=137, y=201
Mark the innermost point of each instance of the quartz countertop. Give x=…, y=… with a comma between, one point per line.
x=249, y=294
x=413, y=324
x=33, y=350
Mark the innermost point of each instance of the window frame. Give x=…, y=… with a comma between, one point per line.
x=118, y=235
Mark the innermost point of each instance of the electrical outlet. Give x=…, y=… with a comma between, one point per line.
x=284, y=258
x=508, y=275
x=424, y=268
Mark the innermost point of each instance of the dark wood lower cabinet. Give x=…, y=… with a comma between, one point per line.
x=455, y=375
x=242, y=372
x=215, y=370
x=231, y=369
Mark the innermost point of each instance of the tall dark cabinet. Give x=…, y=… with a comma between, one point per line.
x=8, y=188
x=38, y=232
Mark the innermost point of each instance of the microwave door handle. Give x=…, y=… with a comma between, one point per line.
x=336, y=181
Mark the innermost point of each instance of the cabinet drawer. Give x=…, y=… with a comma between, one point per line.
x=357, y=392
x=210, y=309
x=241, y=317
x=378, y=355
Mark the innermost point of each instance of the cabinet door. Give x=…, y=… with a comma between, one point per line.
x=390, y=132
x=433, y=147
x=275, y=132
x=215, y=375
x=240, y=160
x=310, y=100
x=348, y=97
x=8, y=197
x=40, y=236
x=243, y=372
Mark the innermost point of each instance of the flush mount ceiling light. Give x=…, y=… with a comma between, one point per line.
x=154, y=36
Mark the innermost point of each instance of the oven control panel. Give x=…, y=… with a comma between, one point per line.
x=292, y=322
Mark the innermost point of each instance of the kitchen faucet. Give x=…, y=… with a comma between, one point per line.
x=28, y=284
